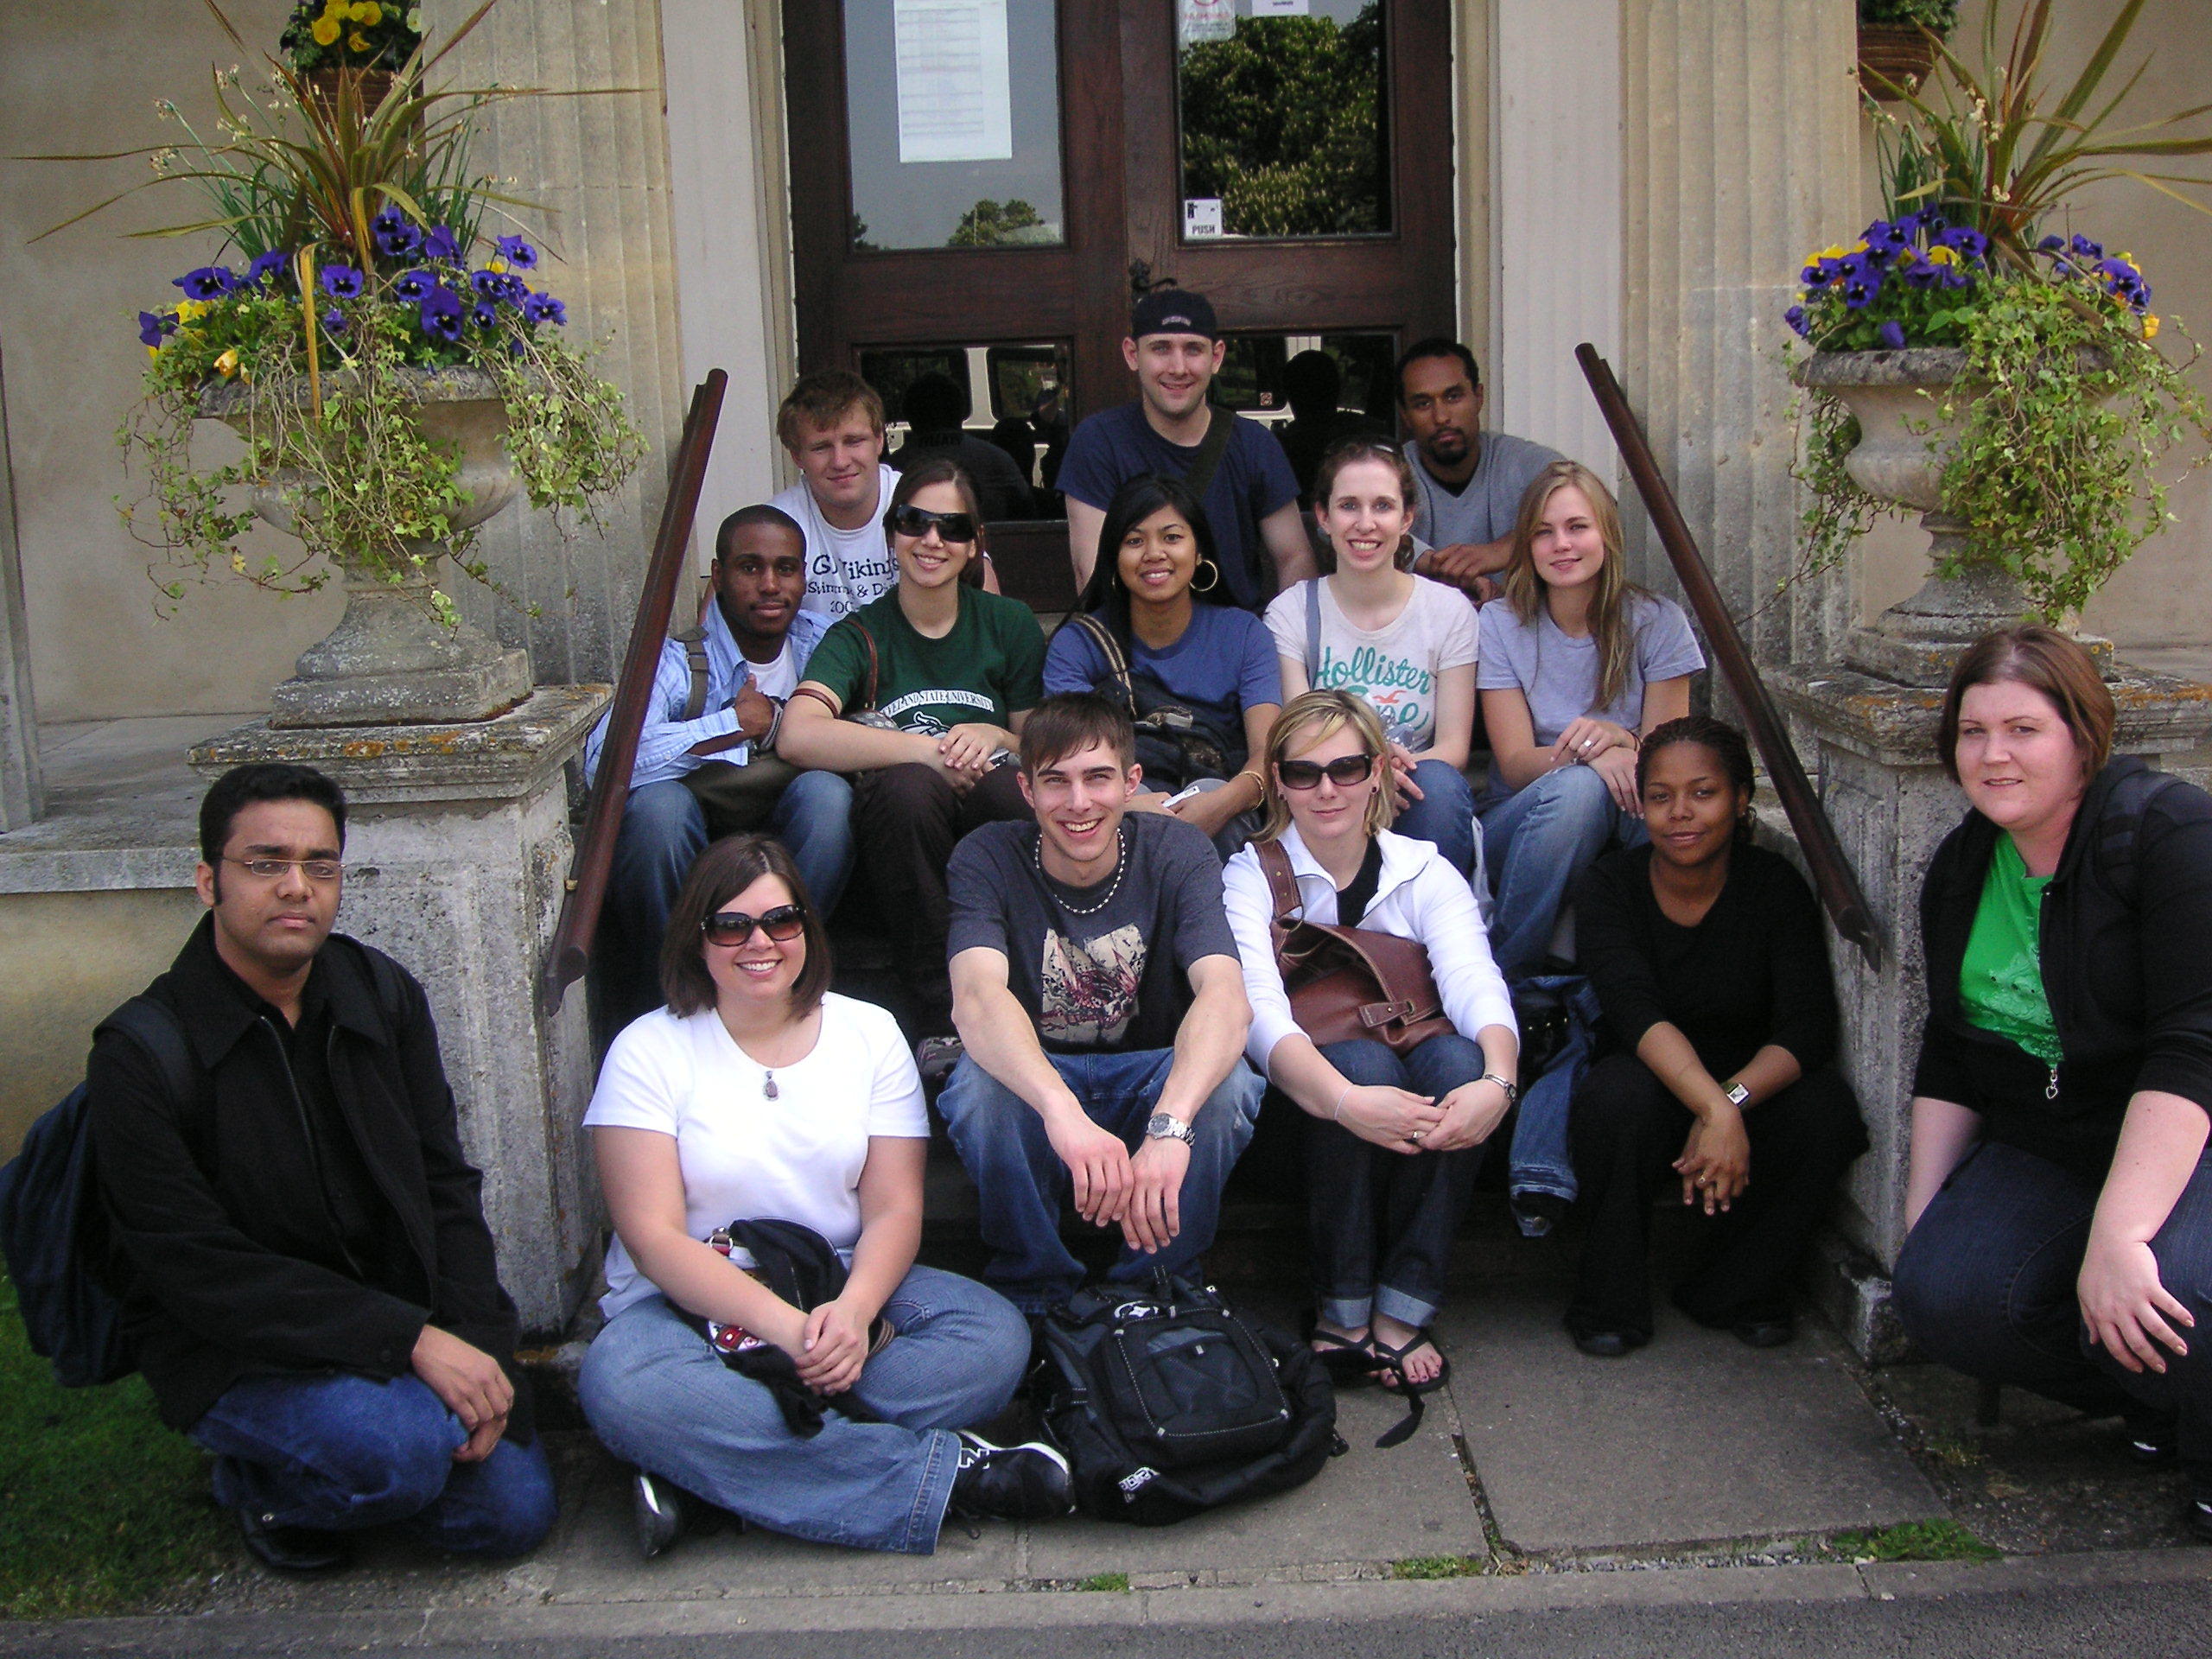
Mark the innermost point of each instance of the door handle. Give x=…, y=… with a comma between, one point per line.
x=1142, y=282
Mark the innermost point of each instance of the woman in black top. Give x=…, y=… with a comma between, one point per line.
x=2060, y=1198
x=1716, y=1054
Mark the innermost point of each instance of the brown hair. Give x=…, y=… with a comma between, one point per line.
x=1060, y=726
x=723, y=871
x=822, y=399
x=2044, y=660
x=1611, y=623
x=940, y=469
x=1314, y=717
x=1343, y=453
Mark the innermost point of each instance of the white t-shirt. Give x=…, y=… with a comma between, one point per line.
x=744, y=1156
x=1395, y=667
x=779, y=679
x=845, y=568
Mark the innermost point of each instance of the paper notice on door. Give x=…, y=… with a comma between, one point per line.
x=1205, y=20
x=1201, y=218
x=955, y=99
x=1280, y=8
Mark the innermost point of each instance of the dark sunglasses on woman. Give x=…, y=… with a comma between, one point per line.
x=782, y=925
x=911, y=520
x=1343, y=772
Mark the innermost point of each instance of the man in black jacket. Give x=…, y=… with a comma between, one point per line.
x=312, y=1294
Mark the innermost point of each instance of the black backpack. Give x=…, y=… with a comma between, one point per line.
x=53, y=1225
x=1167, y=1402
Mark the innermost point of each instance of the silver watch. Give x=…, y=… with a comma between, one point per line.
x=1512, y=1089
x=1166, y=1126
x=1738, y=1095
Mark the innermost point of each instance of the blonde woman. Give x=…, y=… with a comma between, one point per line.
x=1577, y=663
x=1392, y=1148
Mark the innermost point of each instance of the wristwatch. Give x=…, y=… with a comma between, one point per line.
x=1512, y=1089
x=1738, y=1095
x=1166, y=1126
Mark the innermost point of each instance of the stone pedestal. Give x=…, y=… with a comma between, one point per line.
x=1891, y=804
x=457, y=853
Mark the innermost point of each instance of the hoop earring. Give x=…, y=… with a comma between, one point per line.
x=1212, y=573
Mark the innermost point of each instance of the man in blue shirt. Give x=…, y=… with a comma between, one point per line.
x=1250, y=499
x=706, y=763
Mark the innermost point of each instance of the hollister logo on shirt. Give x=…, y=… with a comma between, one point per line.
x=1400, y=690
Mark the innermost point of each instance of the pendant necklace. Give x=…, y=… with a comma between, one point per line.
x=767, y=1084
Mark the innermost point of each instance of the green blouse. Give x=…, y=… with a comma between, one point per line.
x=2000, y=981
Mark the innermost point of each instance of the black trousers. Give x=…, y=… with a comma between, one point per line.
x=907, y=821
x=1628, y=1129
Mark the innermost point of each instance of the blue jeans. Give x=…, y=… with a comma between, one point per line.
x=1444, y=817
x=336, y=1451
x=1537, y=841
x=1381, y=1223
x=1984, y=1284
x=1541, y=1158
x=659, y=1396
x=1022, y=1183
x=664, y=828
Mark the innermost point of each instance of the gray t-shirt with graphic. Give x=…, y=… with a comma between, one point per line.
x=1483, y=509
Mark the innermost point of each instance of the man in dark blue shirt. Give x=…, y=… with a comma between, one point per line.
x=1175, y=349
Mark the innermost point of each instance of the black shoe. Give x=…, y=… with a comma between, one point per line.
x=2151, y=1436
x=657, y=1510
x=1766, y=1333
x=1029, y=1481
x=2199, y=1513
x=1606, y=1345
x=1536, y=1213
x=290, y=1549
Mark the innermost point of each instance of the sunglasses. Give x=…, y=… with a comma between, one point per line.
x=1343, y=772
x=911, y=520
x=782, y=925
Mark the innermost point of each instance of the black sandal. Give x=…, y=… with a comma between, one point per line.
x=1350, y=1361
x=1393, y=1360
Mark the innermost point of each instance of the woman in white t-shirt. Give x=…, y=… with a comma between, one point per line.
x=758, y=1094
x=1404, y=643
x=1577, y=663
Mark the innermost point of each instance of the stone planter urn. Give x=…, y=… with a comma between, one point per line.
x=391, y=660
x=1904, y=444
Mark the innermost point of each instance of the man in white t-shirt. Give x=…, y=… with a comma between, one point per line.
x=1468, y=482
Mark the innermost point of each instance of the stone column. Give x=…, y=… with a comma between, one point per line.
x=1739, y=134
x=19, y=780
x=457, y=853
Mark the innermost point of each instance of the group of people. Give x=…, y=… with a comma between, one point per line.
x=1090, y=851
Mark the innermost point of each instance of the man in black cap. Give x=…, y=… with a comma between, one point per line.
x=1235, y=468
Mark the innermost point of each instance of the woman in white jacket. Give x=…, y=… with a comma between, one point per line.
x=1391, y=1152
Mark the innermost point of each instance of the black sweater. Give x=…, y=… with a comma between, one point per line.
x=1754, y=971
x=2126, y=942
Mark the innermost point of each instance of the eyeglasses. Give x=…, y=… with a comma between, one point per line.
x=269, y=869
x=782, y=925
x=1343, y=772
x=911, y=520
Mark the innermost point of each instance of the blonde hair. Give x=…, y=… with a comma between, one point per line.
x=1314, y=717
x=1611, y=623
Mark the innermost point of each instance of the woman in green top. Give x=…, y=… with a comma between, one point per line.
x=920, y=693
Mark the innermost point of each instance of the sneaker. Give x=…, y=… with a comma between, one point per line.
x=657, y=1510
x=1536, y=1213
x=300, y=1550
x=935, y=1057
x=1029, y=1481
x=2150, y=1435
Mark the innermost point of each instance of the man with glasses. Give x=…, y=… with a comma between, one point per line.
x=1236, y=470
x=312, y=1293
x=1101, y=1006
x=1468, y=482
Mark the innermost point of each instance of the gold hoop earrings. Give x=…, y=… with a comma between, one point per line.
x=1211, y=571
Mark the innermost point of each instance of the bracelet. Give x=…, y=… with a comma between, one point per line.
x=1340, y=1101
x=1255, y=777
x=766, y=741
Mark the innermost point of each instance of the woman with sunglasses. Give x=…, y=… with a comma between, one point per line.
x=758, y=1094
x=918, y=694
x=1404, y=643
x=1390, y=1148
x=1203, y=685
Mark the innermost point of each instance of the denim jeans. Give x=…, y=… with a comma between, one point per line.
x=1022, y=1183
x=1537, y=841
x=658, y=1396
x=1984, y=1284
x=1381, y=1223
x=664, y=828
x=1542, y=1157
x=1444, y=817
x=336, y=1451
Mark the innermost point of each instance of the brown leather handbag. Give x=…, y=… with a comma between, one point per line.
x=1347, y=982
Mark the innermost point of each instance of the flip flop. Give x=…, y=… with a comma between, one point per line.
x=1392, y=1361
x=1350, y=1361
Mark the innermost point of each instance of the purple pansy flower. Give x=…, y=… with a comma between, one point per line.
x=439, y=243
x=2088, y=249
x=1885, y=241
x=441, y=315
x=1794, y=316
x=543, y=307
x=486, y=314
x=1891, y=334
x=395, y=235
x=334, y=321
x=266, y=266
x=155, y=326
x=413, y=286
x=342, y=281
x=1964, y=241
x=489, y=285
x=209, y=282
x=518, y=252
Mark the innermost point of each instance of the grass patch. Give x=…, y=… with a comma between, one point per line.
x=1916, y=1541
x=1105, y=1581
x=1437, y=1567
x=102, y=1509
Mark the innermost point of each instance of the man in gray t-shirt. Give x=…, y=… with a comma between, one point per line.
x=1467, y=482
x=1101, y=1008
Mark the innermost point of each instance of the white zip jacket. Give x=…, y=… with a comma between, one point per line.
x=1419, y=897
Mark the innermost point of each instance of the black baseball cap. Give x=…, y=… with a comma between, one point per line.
x=1173, y=311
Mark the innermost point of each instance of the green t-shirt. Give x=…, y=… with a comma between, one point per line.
x=989, y=667
x=2000, y=983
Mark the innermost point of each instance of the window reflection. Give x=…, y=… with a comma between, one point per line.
x=1000, y=410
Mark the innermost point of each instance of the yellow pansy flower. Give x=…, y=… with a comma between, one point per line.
x=325, y=30
x=1835, y=251
x=2150, y=327
x=191, y=310
x=359, y=41
x=152, y=351
x=368, y=14
x=497, y=267
x=1940, y=255
x=228, y=364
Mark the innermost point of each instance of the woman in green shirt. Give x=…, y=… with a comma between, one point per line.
x=918, y=694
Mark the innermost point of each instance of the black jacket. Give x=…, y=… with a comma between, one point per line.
x=2126, y=942
x=234, y=1259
